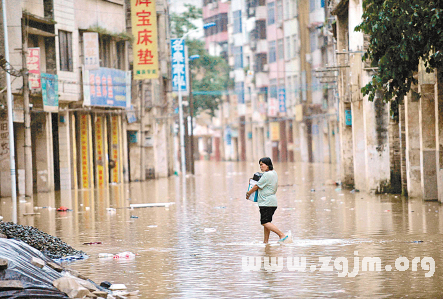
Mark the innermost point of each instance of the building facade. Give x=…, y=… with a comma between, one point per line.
x=82, y=96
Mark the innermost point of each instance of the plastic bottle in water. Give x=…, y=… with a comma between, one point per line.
x=124, y=255
x=105, y=255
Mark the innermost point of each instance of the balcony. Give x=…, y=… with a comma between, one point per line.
x=262, y=46
x=261, y=13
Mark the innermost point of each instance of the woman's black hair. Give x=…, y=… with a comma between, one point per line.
x=267, y=161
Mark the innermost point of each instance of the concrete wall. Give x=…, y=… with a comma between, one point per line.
x=359, y=145
x=428, y=168
x=439, y=132
x=413, y=145
x=64, y=138
x=43, y=155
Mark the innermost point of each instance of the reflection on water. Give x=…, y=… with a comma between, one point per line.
x=177, y=257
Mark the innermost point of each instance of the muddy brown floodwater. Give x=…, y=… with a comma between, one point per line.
x=199, y=247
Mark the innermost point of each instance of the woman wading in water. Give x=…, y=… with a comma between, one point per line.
x=267, y=201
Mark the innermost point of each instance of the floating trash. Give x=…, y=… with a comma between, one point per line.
x=210, y=230
x=124, y=255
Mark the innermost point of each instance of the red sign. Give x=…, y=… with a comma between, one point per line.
x=33, y=64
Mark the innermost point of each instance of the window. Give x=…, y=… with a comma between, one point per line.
x=280, y=49
x=272, y=54
x=313, y=40
x=221, y=24
x=271, y=13
x=288, y=47
x=312, y=5
x=65, y=44
x=120, y=55
x=240, y=92
x=289, y=90
x=260, y=61
x=261, y=29
x=296, y=88
x=273, y=88
x=238, y=57
x=237, y=21
x=287, y=9
x=279, y=10
x=294, y=8
x=294, y=45
x=105, y=51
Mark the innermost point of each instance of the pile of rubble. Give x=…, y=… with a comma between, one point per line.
x=51, y=246
x=27, y=269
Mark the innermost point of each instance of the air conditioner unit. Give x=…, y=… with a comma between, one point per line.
x=308, y=58
x=266, y=67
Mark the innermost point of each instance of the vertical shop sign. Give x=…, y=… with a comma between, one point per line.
x=282, y=100
x=4, y=139
x=114, y=148
x=50, y=92
x=144, y=30
x=90, y=49
x=99, y=150
x=84, y=150
x=178, y=62
x=275, y=131
x=33, y=64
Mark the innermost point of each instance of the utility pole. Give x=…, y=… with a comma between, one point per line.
x=27, y=115
x=191, y=112
x=142, y=132
x=10, y=120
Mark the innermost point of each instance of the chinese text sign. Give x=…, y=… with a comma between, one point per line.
x=178, y=61
x=33, y=64
x=90, y=48
x=144, y=29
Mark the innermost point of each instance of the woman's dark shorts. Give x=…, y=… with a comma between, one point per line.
x=266, y=214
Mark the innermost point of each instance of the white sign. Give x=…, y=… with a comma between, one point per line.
x=90, y=50
x=4, y=140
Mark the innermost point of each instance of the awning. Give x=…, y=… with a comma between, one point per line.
x=35, y=31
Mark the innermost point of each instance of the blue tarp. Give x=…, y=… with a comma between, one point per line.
x=37, y=282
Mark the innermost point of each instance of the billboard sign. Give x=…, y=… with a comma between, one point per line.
x=50, y=92
x=107, y=88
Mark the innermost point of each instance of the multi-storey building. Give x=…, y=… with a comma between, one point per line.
x=80, y=94
x=280, y=53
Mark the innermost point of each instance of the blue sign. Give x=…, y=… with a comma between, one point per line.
x=107, y=87
x=178, y=61
x=130, y=114
x=281, y=100
x=132, y=137
x=49, y=92
x=348, y=117
x=228, y=135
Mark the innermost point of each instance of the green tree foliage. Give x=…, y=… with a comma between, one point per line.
x=401, y=33
x=212, y=71
x=182, y=23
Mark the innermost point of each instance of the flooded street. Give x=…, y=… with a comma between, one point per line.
x=177, y=258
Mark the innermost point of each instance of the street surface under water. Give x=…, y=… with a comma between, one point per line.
x=178, y=258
